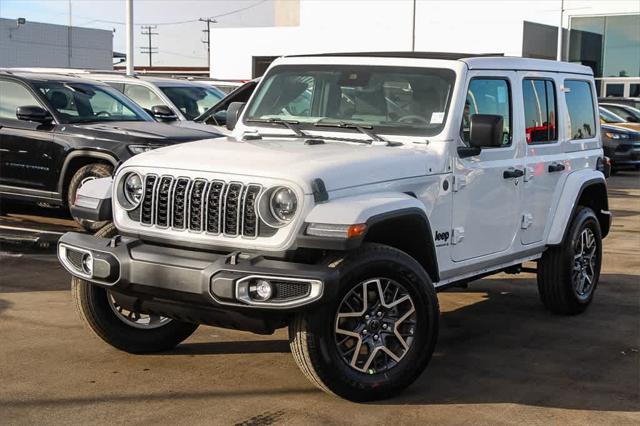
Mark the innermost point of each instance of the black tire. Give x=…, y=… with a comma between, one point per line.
x=92, y=304
x=312, y=336
x=558, y=291
x=90, y=171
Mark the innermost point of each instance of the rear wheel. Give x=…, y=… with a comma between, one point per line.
x=568, y=274
x=378, y=335
x=83, y=175
x=124, y=329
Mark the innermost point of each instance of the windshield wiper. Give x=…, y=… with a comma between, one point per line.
x=365, y=129
x=289, y=124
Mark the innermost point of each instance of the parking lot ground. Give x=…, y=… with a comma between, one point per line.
x=500, y=357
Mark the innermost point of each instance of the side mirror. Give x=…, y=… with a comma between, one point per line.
x=34, y=113
x=233, y=114
x=163, y=112
x=486, y=131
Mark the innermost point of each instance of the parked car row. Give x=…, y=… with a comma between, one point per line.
x=620, y=123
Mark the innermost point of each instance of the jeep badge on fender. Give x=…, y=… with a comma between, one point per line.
x=326, y=211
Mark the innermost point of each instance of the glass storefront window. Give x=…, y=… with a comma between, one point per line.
x=622, y=46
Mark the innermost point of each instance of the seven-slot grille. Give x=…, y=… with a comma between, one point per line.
x=216, y=207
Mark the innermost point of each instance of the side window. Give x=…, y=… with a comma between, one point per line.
x=580, y=106
x=142, y=96
x=540, y=117
x=118, y=86
x=12, y=96
x=488, y=96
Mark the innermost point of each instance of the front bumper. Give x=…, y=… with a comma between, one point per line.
x=624, y=154
x=197, y=286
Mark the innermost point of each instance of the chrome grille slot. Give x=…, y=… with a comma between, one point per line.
x=249, y=211
x=196, y=202
x=146, y=215
x=232, y=208
x=214, y=204
x=180, y=190
x=163, y=202
x=198, y=205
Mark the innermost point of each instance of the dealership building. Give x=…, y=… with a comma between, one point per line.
x=605, y=35
x=35, y=44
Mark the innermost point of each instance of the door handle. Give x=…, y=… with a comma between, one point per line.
x=512, y=173
x=556, y=167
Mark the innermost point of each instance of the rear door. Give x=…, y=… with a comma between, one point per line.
x=486, y=200
x=544, y=161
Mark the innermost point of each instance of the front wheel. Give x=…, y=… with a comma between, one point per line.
x=568, y=274
x=378, y=334
x=124, y=329
x=83, y=175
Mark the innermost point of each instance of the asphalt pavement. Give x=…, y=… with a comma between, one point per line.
x=501, y=358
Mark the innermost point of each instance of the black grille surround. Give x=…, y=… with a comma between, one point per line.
x=198, y=205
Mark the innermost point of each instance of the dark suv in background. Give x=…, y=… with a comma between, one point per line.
x=58, y=131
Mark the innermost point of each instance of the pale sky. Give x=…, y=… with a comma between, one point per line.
x=179, y=44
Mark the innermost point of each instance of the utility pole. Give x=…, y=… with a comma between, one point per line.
x=560, y=30
x=207, y=41
x=129, y=15
x=148, y=31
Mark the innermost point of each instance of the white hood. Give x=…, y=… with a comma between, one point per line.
x=338, y=164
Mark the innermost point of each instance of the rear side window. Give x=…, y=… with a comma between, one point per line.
x=488, y=96
x=580, y=107
x=12, y=96
x=142, y=96
x=541, y=122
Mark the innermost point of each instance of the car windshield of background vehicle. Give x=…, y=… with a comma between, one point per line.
x=409, y=101
x=192, y=101
x=85, y=103
x=539, y=110
x=581, y=112
x=609, y=117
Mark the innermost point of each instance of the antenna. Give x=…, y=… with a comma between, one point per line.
x=148, y=31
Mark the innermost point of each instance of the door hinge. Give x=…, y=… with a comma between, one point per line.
x=528, y=174
x=458, y=235
x=527, y=220
x=459, y=182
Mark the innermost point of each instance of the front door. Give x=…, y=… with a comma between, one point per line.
x=487, y=187
x=27, y=152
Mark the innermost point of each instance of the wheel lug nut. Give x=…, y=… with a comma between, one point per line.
x=375, y=337
x=379, y=313
x=364, y=331
x=366, y=317
x=384, y=326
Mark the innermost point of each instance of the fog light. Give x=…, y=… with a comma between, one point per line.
x=263, y=290
x=87, y=264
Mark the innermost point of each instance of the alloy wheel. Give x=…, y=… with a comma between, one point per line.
x=375, y=325
x=584, y=263
x=136, y=319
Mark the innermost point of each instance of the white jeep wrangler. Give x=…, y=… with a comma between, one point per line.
x=353, y=187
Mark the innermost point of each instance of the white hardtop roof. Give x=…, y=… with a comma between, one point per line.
x=438, y=59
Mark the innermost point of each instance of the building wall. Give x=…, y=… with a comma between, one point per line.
x=469, y=26
x=36, y=44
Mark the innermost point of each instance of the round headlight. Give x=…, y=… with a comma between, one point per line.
x=283, y=204
x=133, y=188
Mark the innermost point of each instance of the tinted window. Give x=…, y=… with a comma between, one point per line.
x=142, y=96
x=192, y=101
x=118, y=86
x=81, y=102
x=488, y=96
x=12, y=96
x=580, y=106
x=631, y=115
x=634, y=90
x=614, y=90
x=539, y=110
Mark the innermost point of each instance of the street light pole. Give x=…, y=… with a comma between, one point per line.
x=560, y=31
x=129, y=22
x=413, y=29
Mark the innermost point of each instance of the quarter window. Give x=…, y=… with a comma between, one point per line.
x=488, y=96
x=540, y=117
x=142, y=96
x=12, y=96
x=581, y=113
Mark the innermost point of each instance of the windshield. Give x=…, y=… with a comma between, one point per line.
x=393, y=100
x=609, y=117
x=192, y=101
x=83, y=103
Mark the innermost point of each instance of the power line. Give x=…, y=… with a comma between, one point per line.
x=148, y=31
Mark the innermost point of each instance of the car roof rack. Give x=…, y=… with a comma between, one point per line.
x=417, y=55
